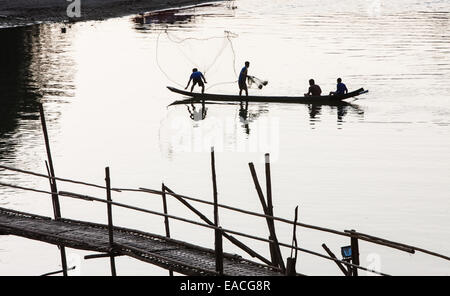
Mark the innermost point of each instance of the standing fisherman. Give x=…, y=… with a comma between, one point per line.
x=243, y=79
x=197, y=78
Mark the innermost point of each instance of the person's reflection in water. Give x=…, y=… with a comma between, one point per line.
x=197, y=115
x=314, y=110
x=243, y=116
x=341, y=112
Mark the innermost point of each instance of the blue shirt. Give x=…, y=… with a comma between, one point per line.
x=243, y=74
x=341, y=88
x=196, y=75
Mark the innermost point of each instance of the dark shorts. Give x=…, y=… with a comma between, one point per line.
x=199, y=82
x=242, y=85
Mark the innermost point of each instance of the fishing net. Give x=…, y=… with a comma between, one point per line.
x=214, y=56
x=253, y=81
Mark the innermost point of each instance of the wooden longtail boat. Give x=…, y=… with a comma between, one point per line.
x=322, y=100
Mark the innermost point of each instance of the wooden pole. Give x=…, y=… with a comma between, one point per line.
x=218, y=233
x=166, y=219
x=219, y=251
x=292, y=261
x=355, y=252
x=277, y=259
x=273, y=252
x=290, y=267
x=53, y=187
x=110, y=222
x=341, y=267
x=269, y=186
x=50, y=164
x=214, y=181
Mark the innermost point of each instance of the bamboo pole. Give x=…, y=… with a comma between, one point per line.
x=341, y=267
x=214, y=182
x=55, y=178
x=277, y=250
x=53, y=187
x=110, y=222
x=269, y=186
x=292, y=261
x=219, y=250
x=269, y=210
x=100, y=255
x=166, y=219
x=218, y=232
x=355, y=253
x=277, y=259
x=58, y=272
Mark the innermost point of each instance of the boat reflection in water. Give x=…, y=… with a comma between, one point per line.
x=342, y=109
x=246, y=117
x=198, y=113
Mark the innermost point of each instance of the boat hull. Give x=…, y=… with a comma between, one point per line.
x=336, y=99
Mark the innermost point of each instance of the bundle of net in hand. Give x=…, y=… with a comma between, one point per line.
x=252, y=80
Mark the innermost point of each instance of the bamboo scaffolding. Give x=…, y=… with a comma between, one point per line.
x=364, y=237
x=369, y=238
x=91, y=198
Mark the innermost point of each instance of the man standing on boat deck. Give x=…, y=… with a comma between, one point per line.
x=243, y=79
x=197, y=78
x=314, y=89
x=341, y=89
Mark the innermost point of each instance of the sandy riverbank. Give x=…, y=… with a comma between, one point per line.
x=22, y=12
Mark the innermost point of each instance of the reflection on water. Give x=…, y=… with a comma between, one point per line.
x=18, y=100
x=197, y=111
x=35, y=66
x=197, y=115
x=341, y=110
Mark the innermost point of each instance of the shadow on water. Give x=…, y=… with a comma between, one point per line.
x=32, y=67
x=18, y=99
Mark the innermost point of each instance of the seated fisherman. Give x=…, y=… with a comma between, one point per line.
x=341, y=89
x=314, y=89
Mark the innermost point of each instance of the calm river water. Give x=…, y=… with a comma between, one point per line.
x=380, y=165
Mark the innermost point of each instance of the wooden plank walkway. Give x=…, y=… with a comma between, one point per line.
x=167, y=253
